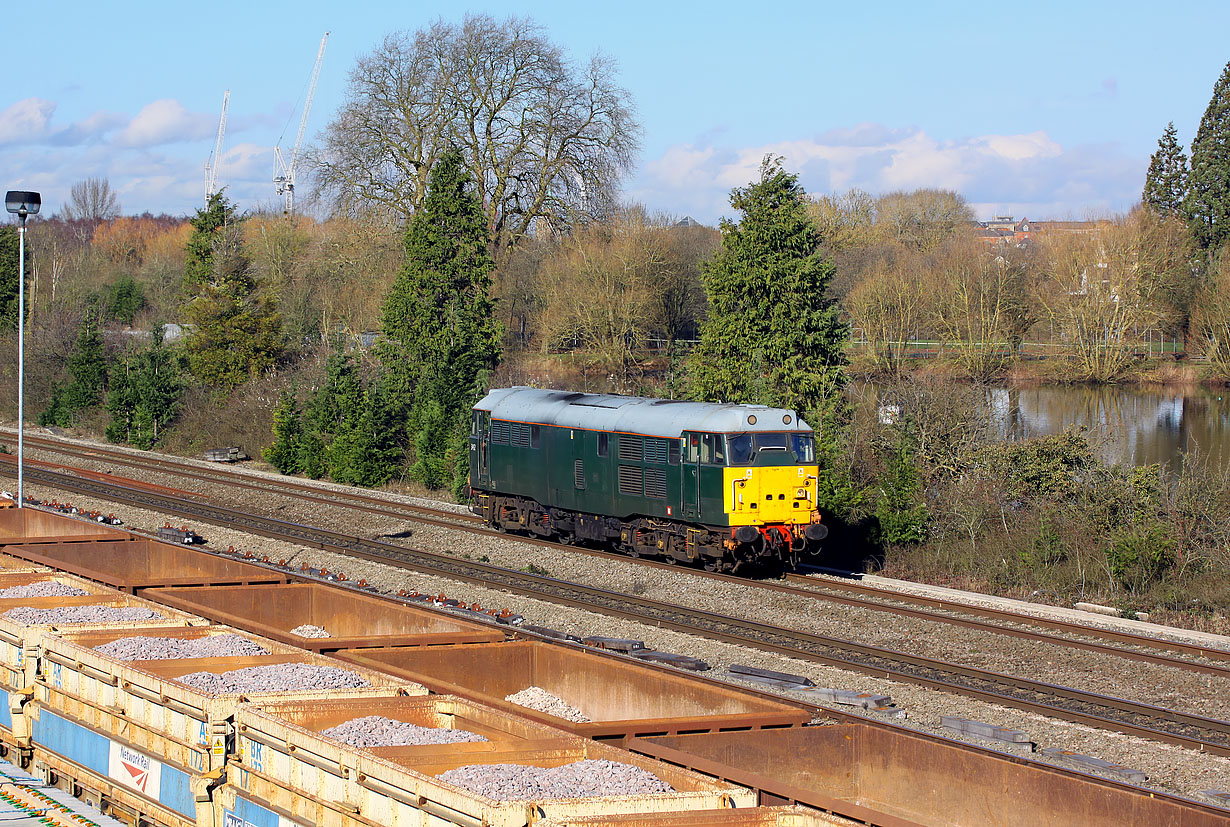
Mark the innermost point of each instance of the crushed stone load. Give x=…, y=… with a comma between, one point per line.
x=43, y=588
x=582, y=779
x=81, y=614
x=276, y=677
x=173, y=648
x=308, y=630
x=378, y=731
x=537, y=698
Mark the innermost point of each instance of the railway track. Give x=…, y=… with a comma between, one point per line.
x=1121, y=644
x=286, y=488
x=1142, y=720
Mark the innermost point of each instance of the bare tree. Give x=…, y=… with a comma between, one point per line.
x=887, y=307
x=1101, y=292
x=981, y=305
x=923, y=219
x=545, y=138
x=1211, y=316
x=599, y=291
x=91, y=200
x=844, y=221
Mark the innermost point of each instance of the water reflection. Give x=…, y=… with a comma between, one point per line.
x=1132, y=425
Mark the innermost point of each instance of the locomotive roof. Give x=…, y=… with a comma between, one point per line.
x=633, y=414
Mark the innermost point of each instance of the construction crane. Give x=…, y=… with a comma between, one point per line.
x=215, y=159
x=285, y=177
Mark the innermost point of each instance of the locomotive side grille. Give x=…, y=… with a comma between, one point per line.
x=630, y=480
x=500, y=432
x=655, y=450
x=578, y=473
x=630, y=448
x=520, y=435
x=655, y=483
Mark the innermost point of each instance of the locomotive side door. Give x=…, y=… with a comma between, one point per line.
x=482, y=432
x=689, y=474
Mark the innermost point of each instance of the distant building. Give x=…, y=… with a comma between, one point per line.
x=170, y=332
x=1002, y=229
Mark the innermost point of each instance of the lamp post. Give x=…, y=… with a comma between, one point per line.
x=22, y=204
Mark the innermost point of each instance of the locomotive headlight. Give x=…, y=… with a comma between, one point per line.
x=800, y=494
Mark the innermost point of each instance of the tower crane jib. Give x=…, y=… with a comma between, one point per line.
x=215, y=159
x=285, y=178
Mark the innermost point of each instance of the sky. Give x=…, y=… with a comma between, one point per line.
x=1039, y=110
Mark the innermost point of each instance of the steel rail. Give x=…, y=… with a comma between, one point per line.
x=465, y=522
x=1010, y=616
x=287, y=488
x=1105, y=712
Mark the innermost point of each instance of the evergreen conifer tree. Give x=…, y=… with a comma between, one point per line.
x=1166, y=180
x=900, y=510
x=208, y=222
x=159, y=386
x=341, y=393
x=366, y=450
x=1208, y=184
x=144, y=394
x=122, y=400
x=10, y=249
x=87, y=365
x=770, y=337
x=440, y=332
x=330, y=412
x=125, y=298
x=235, y=329
x=285, y=454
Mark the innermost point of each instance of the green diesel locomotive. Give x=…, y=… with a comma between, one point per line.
x=718, y=485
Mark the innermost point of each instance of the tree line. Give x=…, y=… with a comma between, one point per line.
x=474, y=237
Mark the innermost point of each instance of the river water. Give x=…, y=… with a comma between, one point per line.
x=1132, y=425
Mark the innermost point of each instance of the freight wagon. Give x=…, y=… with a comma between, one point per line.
x=719, y=485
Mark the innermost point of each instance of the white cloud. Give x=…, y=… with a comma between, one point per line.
x=26, y=121
x=248, y=161
x=681, y=164
x=166, y=121
x=1032, y=172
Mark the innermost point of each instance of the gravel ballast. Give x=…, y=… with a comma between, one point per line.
x=81, y=614
x=537, y=698
x=1172, y=769
x=44, y=588
x=308, y=630
x=378, y=731
x=582, y=779
x=173, y=648
x=276, y=677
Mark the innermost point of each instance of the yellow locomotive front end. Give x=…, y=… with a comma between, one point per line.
x=769, y=492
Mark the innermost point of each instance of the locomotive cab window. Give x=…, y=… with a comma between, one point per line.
x=712, y=451
x=693, y=441
x=743, y=449
x=739, y=448
x=803, y=446
x=772, y=442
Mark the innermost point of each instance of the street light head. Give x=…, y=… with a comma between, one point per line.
x=22, y=203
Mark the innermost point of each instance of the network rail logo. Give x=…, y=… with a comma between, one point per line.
x=134, y=770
